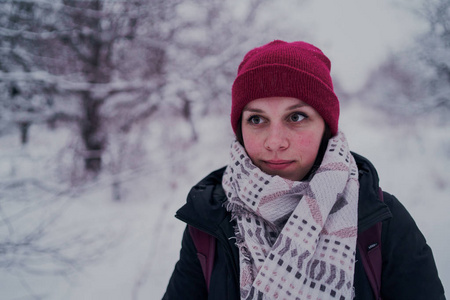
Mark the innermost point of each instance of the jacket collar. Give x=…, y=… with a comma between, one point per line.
x=204, y=207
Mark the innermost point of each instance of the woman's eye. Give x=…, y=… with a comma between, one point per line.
x=296, y=117
x=255, y=120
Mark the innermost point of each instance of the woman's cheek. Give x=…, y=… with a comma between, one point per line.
x=307, y=145
x=253, y=146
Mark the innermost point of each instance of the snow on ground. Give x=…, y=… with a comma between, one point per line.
x=137, y=240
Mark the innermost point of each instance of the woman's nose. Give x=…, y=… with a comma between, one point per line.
x=276, y=138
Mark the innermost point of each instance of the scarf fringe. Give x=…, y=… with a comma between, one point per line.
x=234, y=207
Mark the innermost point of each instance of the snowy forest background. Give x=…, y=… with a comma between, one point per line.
x=111, y=110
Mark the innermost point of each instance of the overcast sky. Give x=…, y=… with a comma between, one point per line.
x=356, y=35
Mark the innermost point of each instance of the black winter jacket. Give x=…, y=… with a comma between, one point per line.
x=408, y=269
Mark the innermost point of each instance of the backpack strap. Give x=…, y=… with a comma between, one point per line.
x=206, y=248
x=369, y=244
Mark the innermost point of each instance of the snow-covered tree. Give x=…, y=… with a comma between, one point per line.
x=23, y=103
x=416, y=81
x=434, y=51
x=91, y=53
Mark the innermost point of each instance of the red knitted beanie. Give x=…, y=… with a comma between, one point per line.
x=281, y=69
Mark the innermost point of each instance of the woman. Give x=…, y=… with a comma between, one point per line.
x=286, y=211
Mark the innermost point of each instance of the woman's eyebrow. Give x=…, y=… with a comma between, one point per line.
x=295, y=106
x=255, y=110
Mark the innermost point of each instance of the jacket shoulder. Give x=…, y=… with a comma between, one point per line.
x=371, y=209
x=204, y=207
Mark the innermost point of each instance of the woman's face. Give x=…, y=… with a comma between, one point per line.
x=282, y=135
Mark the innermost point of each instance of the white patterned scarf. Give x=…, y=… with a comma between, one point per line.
x=296, y=239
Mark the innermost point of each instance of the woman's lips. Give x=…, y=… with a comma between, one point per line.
x=278, y=164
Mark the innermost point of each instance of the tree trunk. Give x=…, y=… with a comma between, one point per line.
x=24, y=126
x=92, y=134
